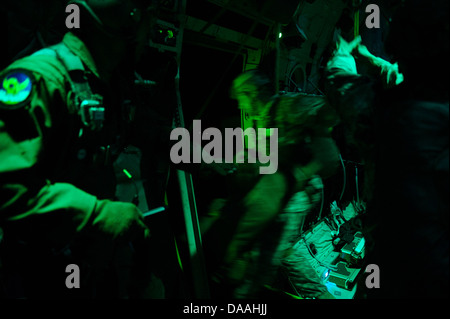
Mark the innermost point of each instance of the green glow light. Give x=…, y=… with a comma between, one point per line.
x=280, y=35
x=127, y=173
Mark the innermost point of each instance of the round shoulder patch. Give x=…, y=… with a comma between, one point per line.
x=15, y=88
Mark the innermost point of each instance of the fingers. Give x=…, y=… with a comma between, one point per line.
x=142, y=227
x=138, y=227
x=120, y=220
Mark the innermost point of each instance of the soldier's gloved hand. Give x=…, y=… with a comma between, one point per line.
x=120, y=220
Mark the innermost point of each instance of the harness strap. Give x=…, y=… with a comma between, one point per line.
x=82, y=101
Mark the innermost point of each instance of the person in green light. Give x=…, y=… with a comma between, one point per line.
x=258, y=228
x=57, y=183
x=399, y=118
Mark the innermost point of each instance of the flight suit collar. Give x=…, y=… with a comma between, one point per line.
x=79, y=48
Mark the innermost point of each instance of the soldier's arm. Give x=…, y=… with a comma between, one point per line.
x=31, y=106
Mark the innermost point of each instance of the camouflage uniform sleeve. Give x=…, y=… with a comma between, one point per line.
x=32, y=96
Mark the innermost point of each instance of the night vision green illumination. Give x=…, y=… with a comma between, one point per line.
x=127, y=173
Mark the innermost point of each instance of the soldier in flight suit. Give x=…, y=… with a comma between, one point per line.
x=265, y=222
x=399, y=117
x=60, y=113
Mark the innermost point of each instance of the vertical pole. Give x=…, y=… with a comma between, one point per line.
x=193, y=234
x=356, y=24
